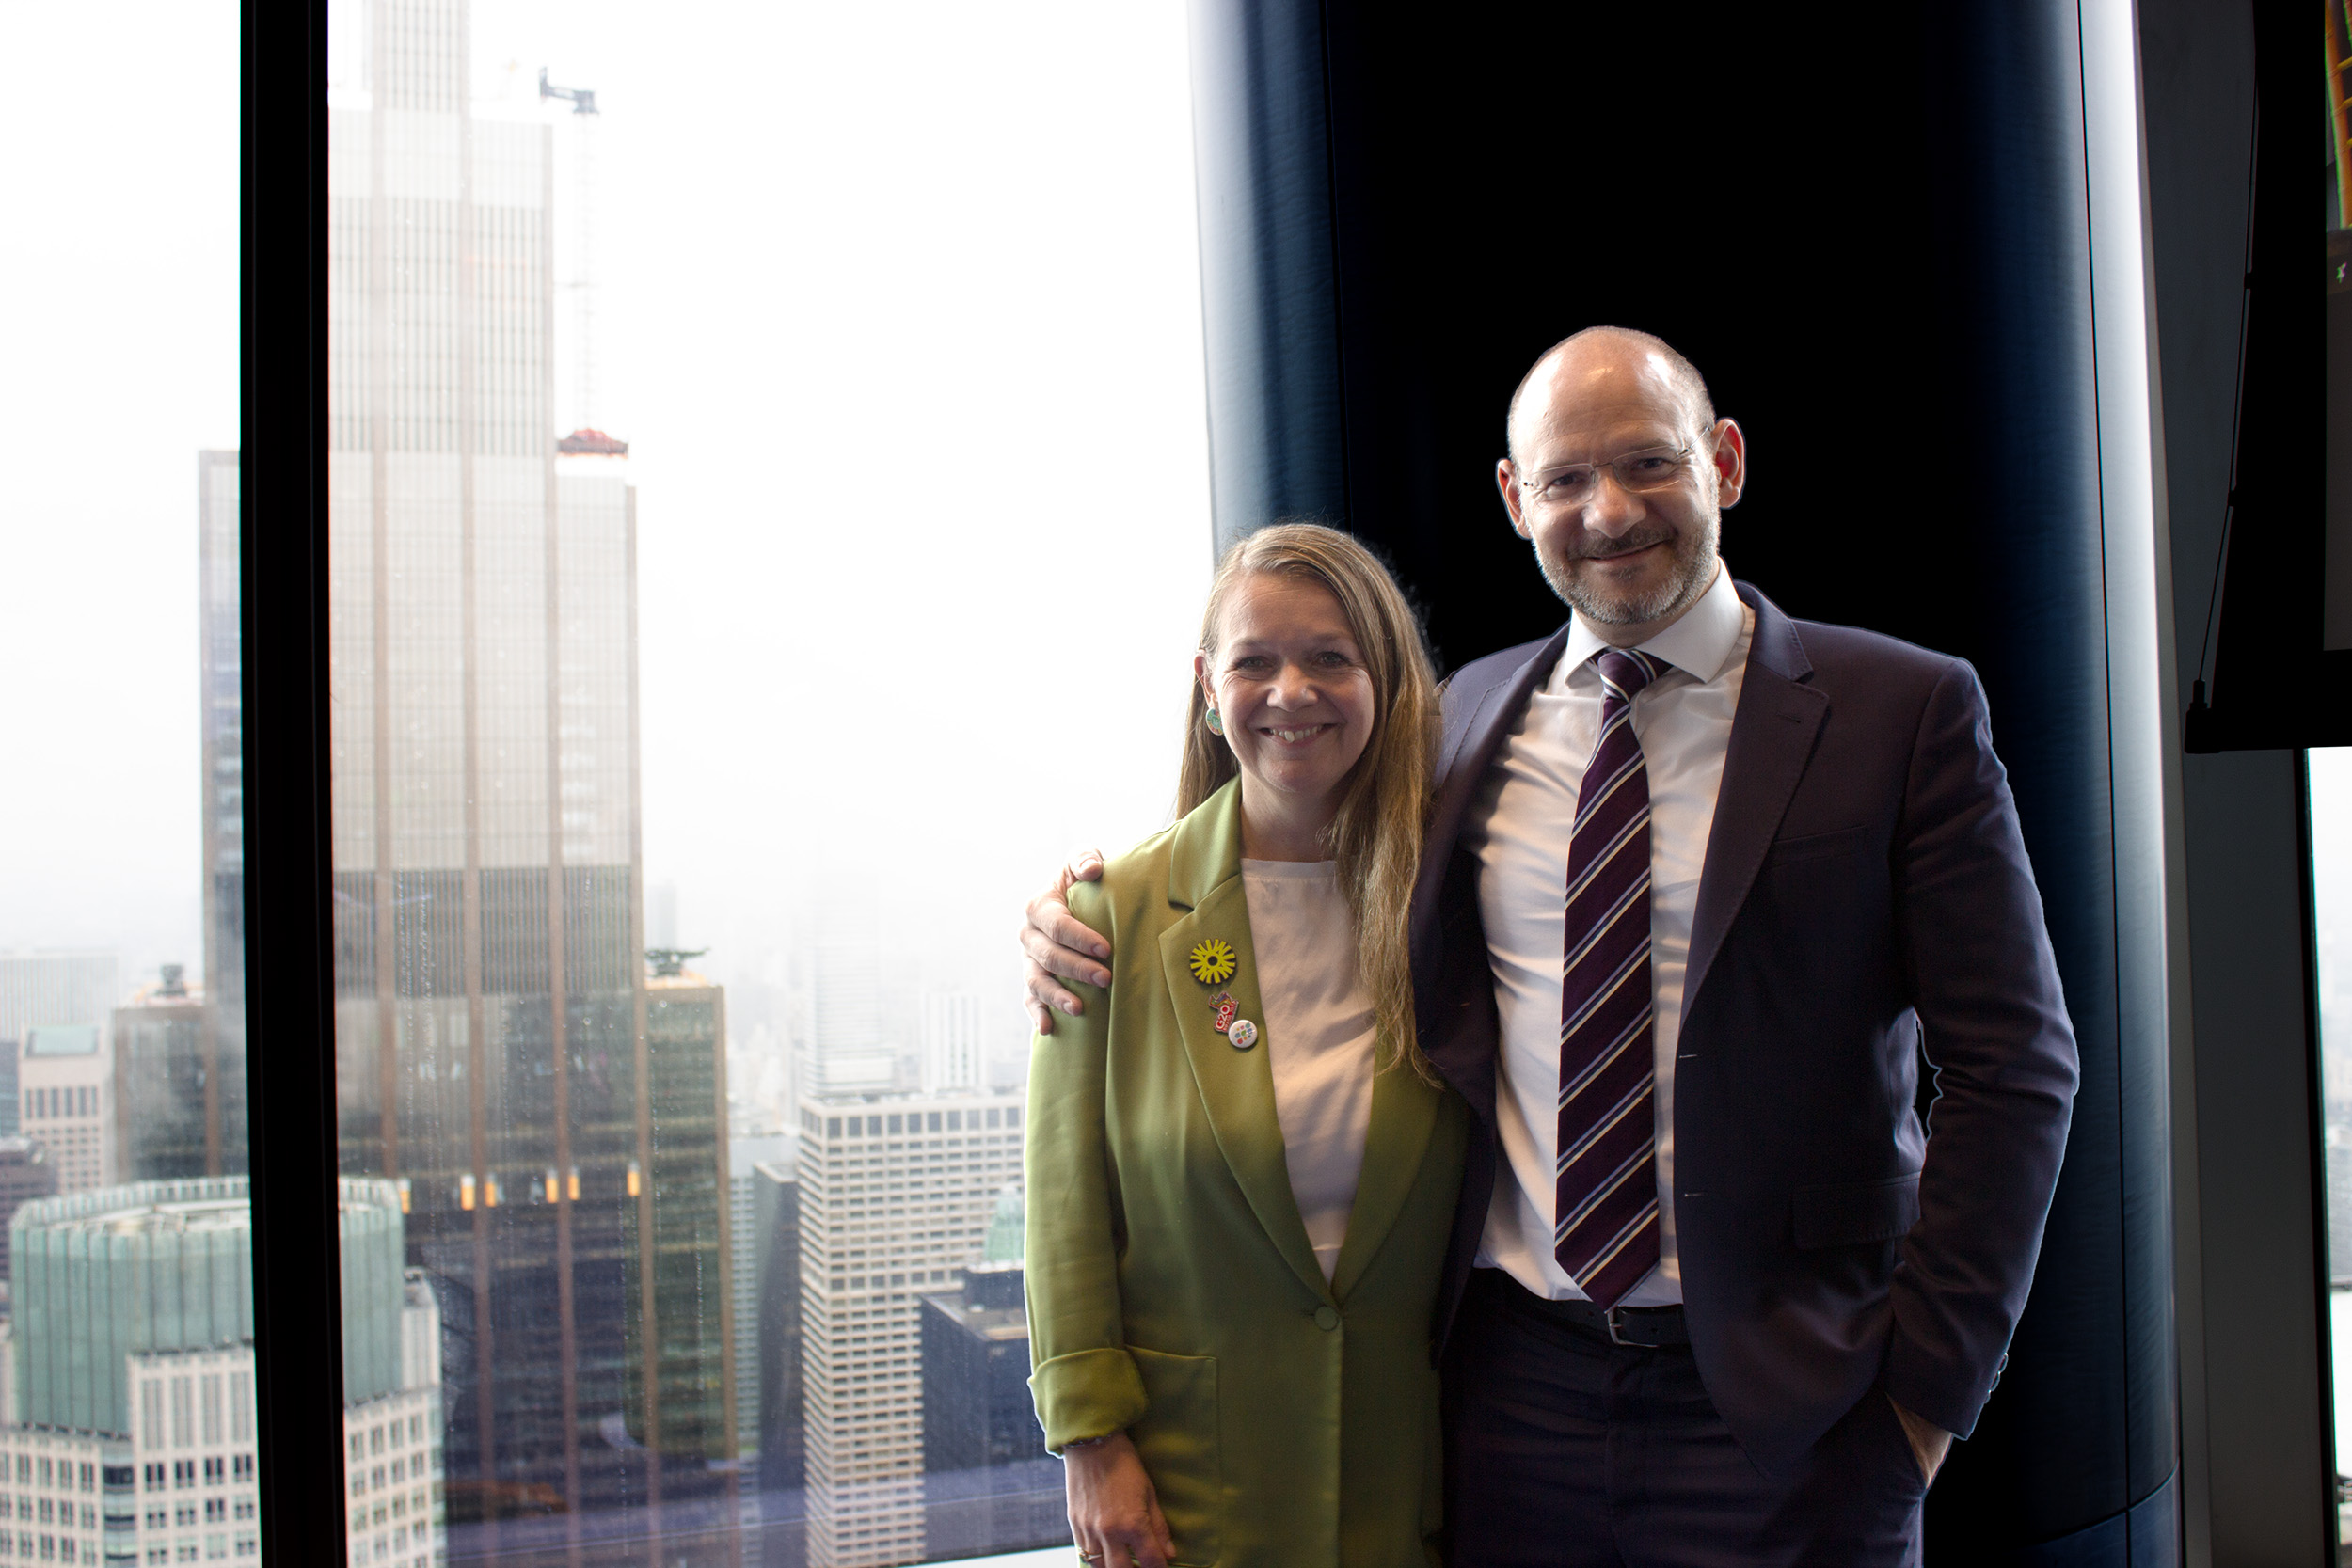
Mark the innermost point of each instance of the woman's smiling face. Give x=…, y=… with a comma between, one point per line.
x=1288, y=684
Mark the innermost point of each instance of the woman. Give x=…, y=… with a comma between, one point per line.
x=1241, y=1171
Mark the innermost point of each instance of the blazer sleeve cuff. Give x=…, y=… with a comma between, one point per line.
x=1931, y=1389
x=1088, y=1393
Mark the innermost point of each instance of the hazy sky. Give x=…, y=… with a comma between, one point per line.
x=121, y=346
x=900, y=315
x=899, y=312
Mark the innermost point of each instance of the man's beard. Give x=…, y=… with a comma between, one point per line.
x=1695, y=559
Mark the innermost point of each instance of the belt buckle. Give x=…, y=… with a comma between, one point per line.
x=1615, y=1336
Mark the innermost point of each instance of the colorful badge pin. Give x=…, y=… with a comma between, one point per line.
x=1225, y=1008
x=1243, y=1035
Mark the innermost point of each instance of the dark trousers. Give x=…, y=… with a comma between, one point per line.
x=1565, y=1451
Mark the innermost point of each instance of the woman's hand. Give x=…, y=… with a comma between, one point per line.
x=1114, y=1513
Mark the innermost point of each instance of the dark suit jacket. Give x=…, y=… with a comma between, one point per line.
x=1865, y=892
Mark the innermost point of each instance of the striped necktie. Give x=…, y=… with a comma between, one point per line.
x=1605, y=1233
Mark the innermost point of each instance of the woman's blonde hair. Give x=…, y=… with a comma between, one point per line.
x=1377, y=834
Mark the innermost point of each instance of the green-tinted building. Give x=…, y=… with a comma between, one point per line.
x=130, y=1396
x=681, y=1391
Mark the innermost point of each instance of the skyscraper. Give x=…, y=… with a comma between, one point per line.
x=851, y=1051
x=951, y=1041
x=783, y=1446
x=220, y=1036
x=896, y=1193
x=757, y=1168
x=989, y=1484
x=561, y=1151
x=26, y=1174
x=166, y=1126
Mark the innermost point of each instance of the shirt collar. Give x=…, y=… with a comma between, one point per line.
x=1699, y=644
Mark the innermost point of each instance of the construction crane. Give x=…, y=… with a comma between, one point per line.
x=583, y=100
x=586, y=437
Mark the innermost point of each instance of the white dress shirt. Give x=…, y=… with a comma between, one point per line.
x=1518, y=829
x=1319, y=1029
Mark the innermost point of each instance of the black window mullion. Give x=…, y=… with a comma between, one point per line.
x=289, y=950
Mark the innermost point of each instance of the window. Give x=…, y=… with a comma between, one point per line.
x=585, y=514
x=2330, y=781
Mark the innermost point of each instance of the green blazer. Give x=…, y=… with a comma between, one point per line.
x=1172, y=1289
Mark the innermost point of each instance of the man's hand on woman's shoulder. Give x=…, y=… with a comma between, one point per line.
x=1061, y=947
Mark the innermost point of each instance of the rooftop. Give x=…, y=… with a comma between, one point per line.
x=202, y=1214
x=62, y=1040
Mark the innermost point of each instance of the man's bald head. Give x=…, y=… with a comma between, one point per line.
x=1602, y=348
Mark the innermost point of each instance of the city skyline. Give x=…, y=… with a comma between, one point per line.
x=740, y=420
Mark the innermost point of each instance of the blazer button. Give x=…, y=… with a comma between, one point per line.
x=1326, y=1318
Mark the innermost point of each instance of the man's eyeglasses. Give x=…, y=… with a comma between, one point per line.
x=1640, y=472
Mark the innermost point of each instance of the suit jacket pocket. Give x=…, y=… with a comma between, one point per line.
x=1850, y=1214
x=1814, y=846
x=1177, y=1439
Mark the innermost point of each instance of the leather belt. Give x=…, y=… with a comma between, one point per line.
x=1640, y=1327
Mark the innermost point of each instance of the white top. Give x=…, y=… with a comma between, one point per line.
x=1319, y=1030
x=1518, y=829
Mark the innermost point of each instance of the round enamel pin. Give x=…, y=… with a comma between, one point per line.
x=1212, y=961
x=1242, y=1034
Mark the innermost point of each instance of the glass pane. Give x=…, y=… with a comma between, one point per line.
x=127, y=1410
x=769, y=525
x=2331, y=878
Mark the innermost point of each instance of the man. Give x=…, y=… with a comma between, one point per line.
x=1700, y=883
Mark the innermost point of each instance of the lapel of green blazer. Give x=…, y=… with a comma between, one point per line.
x=1403, y=1115
x=1204, y=879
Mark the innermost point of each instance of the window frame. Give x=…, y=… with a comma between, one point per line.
x=289, y=972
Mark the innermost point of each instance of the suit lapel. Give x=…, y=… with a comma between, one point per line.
x=1236, y=1086
x=1468, y=751
x=1772, y=739
x=1404, y=1114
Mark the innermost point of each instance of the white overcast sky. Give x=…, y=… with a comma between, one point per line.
x=899, y=312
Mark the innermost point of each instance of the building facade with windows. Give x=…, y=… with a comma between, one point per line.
x=498, y=1052
x=990, y=1484
x=43, y=986
x=166, y=1083
x=952, y=1041
x=26, y=1174
x=65, y=1102
x=220, y=1101
x=896, y=1193
x=156, y=1464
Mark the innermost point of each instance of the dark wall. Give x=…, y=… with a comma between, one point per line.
x=1870, y=231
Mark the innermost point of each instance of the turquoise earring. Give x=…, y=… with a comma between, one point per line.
x=1217, y=725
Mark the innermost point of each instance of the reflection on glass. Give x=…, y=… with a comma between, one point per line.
x=721, y=1244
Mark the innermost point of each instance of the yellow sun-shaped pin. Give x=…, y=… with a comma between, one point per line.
x=1212, y=961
